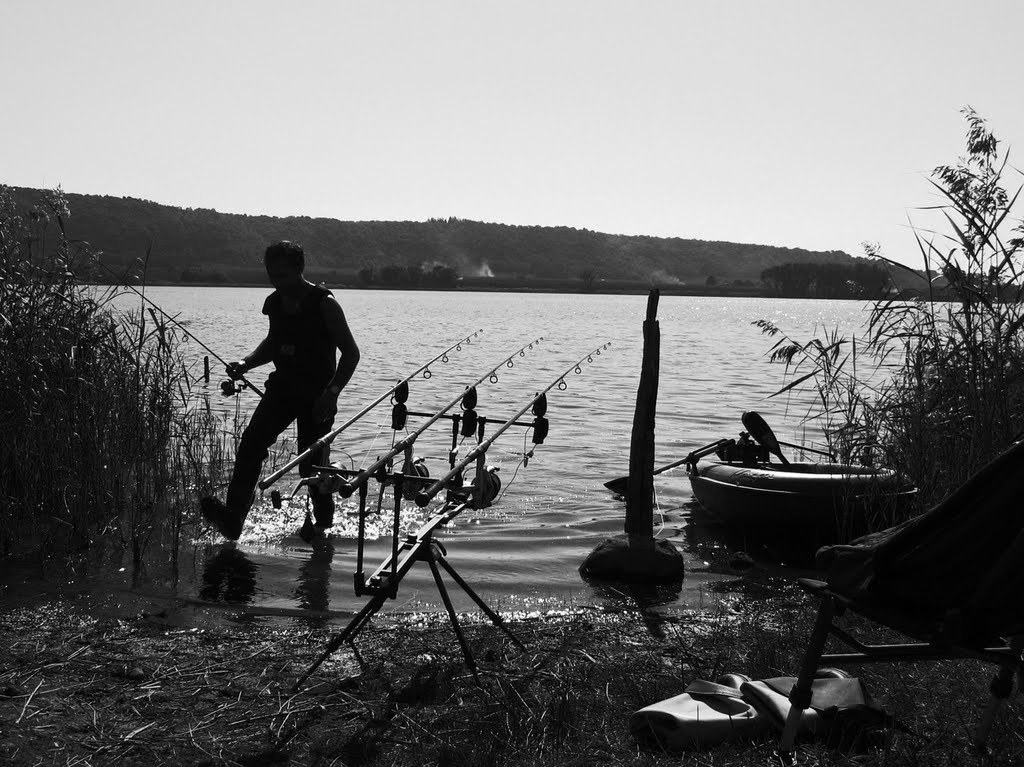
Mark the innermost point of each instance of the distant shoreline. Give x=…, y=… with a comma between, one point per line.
x=499, y=286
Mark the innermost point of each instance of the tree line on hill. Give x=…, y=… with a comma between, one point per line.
x=205, y=246
x=858, y=280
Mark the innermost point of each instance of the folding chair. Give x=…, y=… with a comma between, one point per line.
x=951, y=579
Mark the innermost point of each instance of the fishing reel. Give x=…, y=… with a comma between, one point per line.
x=229, y=387
x=414, y=468
x=489, y=486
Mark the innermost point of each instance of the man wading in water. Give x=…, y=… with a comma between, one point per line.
x=307, y=326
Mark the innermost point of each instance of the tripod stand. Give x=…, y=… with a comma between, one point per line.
x=383, y=585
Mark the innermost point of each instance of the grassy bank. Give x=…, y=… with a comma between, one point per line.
x=75, y=689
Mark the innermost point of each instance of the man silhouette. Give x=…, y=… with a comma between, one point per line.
x=307, y=328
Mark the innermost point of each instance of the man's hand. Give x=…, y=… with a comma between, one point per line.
x=237, y=369
x=326, y=406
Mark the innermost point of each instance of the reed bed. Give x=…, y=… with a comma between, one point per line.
x=103, y=442
x=935, y=385
x=77, y=689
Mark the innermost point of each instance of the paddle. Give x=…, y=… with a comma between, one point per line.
x=619, y=484
x=762, y=432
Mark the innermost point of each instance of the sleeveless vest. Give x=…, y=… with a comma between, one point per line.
x=303, y=353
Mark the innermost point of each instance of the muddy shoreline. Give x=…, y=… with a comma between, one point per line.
x=77, y=689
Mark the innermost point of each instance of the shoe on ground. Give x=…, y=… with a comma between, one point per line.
x=706, y=714
x=217, y=514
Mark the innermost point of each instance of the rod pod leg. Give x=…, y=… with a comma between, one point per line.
x=347, y=634
x=433, y=553
x=494, y=617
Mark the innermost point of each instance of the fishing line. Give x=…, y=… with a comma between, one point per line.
x=661, y=514
x=351, y=460
x=369, y=449
x=122, y=282
x=521, y=463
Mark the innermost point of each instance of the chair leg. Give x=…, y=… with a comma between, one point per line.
x=800, y=695
x=1001, y=687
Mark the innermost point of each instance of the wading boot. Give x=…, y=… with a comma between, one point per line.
x=313, y=533
x=221, y=517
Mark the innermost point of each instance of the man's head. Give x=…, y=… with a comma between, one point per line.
x=284, y=262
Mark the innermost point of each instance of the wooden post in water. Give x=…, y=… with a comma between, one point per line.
x=640, y=490
x=637, y=555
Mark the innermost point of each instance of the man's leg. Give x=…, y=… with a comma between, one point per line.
x=308, y=433
x=271, y=417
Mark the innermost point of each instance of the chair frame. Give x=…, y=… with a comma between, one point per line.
x=938, y=647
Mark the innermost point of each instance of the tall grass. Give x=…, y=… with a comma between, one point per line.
x=101, y=437
x=935, y=387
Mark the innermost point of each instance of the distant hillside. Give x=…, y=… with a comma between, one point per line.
x=228, y=247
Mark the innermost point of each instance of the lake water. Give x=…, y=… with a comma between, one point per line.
x=522, y=553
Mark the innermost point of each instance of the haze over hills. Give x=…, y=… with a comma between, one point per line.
x=227, y=247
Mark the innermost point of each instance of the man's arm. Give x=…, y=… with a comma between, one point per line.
x=341, y=335
x=261, y=355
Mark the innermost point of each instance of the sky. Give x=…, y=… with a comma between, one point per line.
x=800, y=124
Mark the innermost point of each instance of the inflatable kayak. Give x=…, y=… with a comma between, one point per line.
x=802, y=504
x=770, y=499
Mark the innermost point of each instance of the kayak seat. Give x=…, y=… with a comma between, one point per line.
x=949, y=580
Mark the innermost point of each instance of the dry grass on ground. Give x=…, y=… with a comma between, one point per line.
x=75, y=690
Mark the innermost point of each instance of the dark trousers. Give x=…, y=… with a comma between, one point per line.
x=280, y=406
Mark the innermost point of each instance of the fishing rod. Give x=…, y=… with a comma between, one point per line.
x=540, y=427
x=361, y=478
x=398, y=387
x=154, y=305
